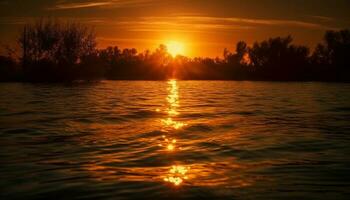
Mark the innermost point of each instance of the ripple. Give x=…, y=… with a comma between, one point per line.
x=233, y=140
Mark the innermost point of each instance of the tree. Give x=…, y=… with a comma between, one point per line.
x=51, y=50
x=241, y=50
x=278, y=59
x=332, y=56
x=9, y=70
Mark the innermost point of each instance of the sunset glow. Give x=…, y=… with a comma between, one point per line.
x=193, y=28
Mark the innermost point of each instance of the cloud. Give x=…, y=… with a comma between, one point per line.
x=251, y=21
x=205, y=23
x=184, y=23
x=161, y=24
x=129, y=40
x=322, y=18
x=150, y=42
x=63, y=5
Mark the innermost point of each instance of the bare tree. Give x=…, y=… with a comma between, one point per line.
x=51, y=43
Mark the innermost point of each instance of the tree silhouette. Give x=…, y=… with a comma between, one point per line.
x=332, y=56
x=9, y=70
x=278, y=59
x=53, y=51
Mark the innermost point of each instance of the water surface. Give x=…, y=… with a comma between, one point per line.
x=175, y=140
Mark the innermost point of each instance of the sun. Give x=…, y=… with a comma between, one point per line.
x=175, y=48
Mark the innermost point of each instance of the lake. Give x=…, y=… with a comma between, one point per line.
x=175, y=140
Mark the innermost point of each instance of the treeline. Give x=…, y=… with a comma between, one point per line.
x=53, y=51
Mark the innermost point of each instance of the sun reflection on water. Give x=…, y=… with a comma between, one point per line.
x=169, y=122
x=169, y=144
x=177, y=174
x=167, y=149
x=173, y=104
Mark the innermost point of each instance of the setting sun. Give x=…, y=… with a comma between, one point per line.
x=175, y=48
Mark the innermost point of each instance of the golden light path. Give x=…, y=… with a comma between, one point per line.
x=173, y=104
x=177, y=174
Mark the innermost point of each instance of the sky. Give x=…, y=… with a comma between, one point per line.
x=201, y=27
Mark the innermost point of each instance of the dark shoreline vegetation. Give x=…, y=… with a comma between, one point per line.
x=53, y=51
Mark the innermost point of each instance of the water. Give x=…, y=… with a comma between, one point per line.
x=175, y=140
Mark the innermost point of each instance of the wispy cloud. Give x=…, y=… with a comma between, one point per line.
x=251, y=21
x=184, y=23
x=205, y=23
x=63, y=5
x=117, y=40
x=322, y=18
x=150, y=41
x=161, y=24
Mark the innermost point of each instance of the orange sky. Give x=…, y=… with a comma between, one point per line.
x=203, y=27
